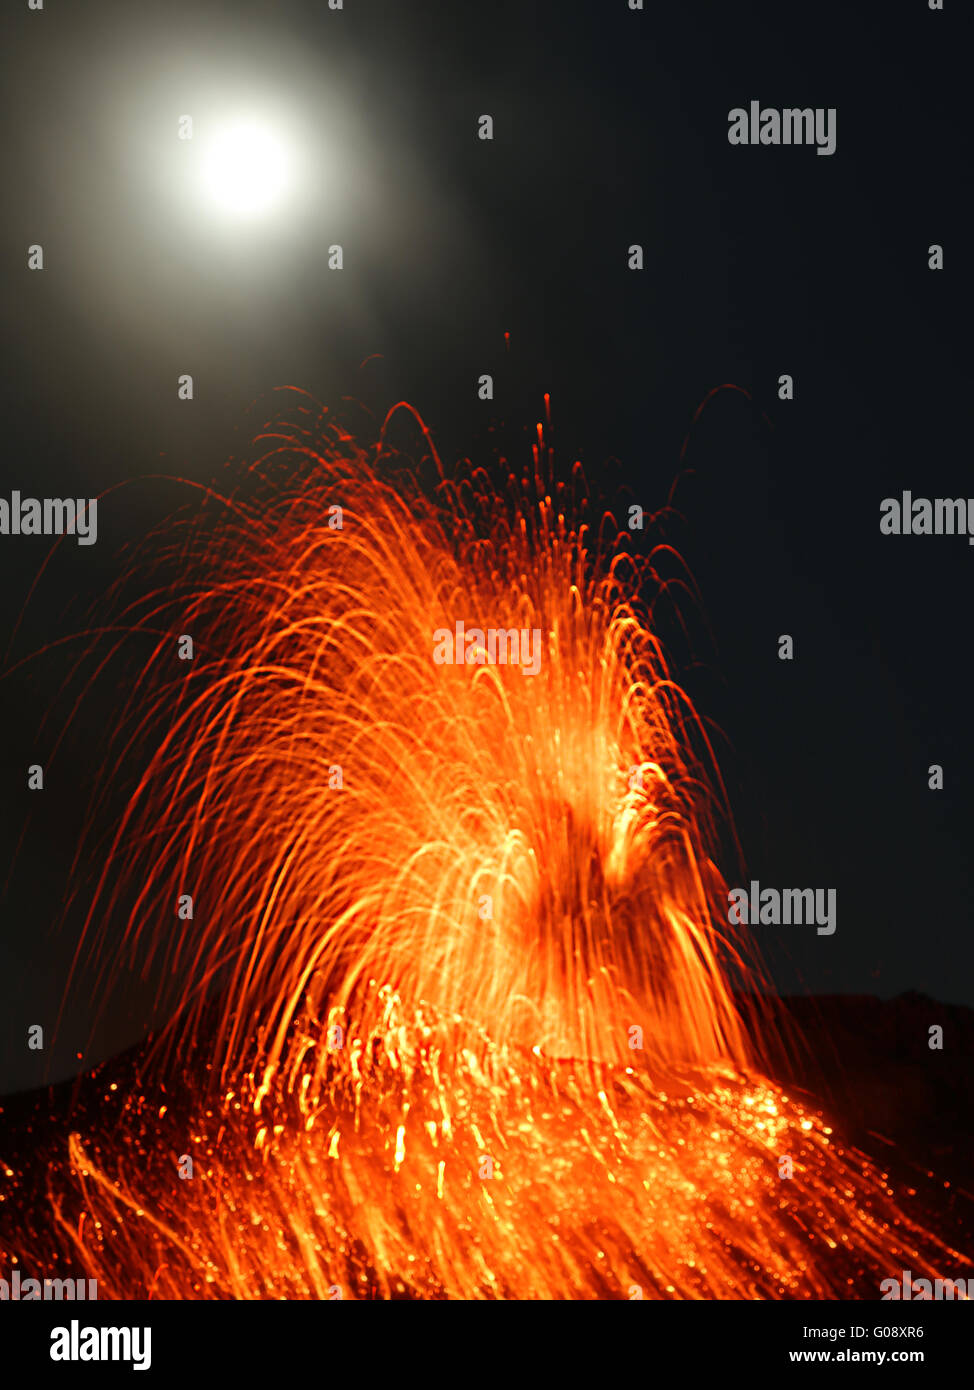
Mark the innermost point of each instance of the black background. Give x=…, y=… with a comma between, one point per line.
x=610, y=129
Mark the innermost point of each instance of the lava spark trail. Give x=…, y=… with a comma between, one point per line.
x=452, y=1015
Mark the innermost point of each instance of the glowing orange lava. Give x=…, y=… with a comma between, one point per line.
x=462, y=928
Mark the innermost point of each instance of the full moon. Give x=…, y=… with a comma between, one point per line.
x=245, y=169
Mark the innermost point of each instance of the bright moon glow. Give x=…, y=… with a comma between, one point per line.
x=245, y=169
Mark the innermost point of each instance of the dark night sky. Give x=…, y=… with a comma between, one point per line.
x=610, y=128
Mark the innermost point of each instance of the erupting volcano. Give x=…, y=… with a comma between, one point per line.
x=449, y=1004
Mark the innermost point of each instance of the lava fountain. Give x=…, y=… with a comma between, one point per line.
x=444, y=964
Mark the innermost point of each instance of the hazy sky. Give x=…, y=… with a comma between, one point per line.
x=610, y=129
